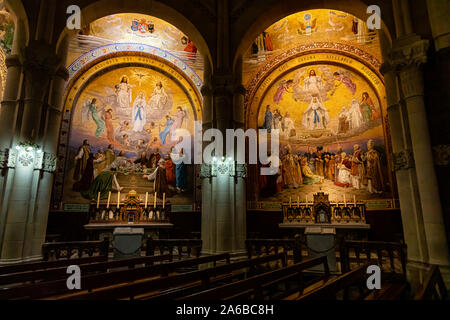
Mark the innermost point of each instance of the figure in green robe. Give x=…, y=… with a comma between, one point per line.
x=97, y=119
x=103, y=183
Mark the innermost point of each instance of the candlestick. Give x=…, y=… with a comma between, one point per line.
x=298, y=201
x=109, y=198
x=118, y=200
x=345, y=202
x=290, y=202
x=98, y=200
x=146, y=199
x=306, y=200
x=164, y=199
x=354, y=200
x=154, y=201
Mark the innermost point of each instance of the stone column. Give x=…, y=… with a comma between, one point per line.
x=37, y=223
x=439, y=15
x=23, y=196
x=408, y=55
x=405, y=172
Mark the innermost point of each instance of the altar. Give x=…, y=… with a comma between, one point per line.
x=154, y=219
x=346, y=218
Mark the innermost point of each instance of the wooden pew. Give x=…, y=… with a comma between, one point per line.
x=86, y=268
x=433, y=287
x=255, y=286
x=330, y=290
x=365, y=250
x=59, y=250
x=163, y=245
x=90, y=282
x=180, y=284
x=42, y=265
x=258, y=247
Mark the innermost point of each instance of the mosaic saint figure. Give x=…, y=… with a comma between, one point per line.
x=316, y=116
x=109, y=126
x=356, y=118
x=163, y=134
x=373, y=174
x=282, y=89
x=159, y=97
x=138, y=113
x=268, y=119
x=368, y=108
x=81, y=160
x=123, y=92
x=180, y=115
x=291, y=171
x=97, y=119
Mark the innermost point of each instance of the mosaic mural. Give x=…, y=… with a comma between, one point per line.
x=128, y=113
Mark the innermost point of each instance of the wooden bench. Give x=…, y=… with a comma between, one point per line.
x=86, y=268
x=42, y=265
x=332, y=288
x=169, y=245
x=433, y=287
x=362, y=252
x=256, y=287
x=258, y=247
x=181, y=284
x=90, y=282
x=66, y=250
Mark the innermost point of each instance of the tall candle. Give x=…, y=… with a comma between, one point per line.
x=354, y=200
x=98, y=200
x=109, y=198
x=290, y=202
x=306, y=199
x=146, y=199
x=164, y=199
x=298, y=201
x=154, y=201
x=118, y=199
x=345, y=203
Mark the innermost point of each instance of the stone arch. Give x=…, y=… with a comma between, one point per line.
x=21, y=34
x=164, y=11
x=264, y=15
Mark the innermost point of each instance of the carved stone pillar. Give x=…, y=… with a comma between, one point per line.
x=403, y=165
x=27, y=194
x=408, y=55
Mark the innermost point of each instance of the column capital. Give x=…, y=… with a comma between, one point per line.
x=13, y=61
x=403, y=160
x=40, y=58
x=222, y=84
x=408, y=52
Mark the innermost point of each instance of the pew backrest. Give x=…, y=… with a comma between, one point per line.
x=78, y=249
x=205, y=276
x=61, y=272
x=390, y=256
x=255, y=285
x=174, y=247
x=259, y=247
x=92, y=281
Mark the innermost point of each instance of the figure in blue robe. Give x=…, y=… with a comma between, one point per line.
x=163, y=134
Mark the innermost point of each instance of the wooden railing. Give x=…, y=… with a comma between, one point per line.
x=75, y=249
x=193, y=246
x=378, y=252
x=259, y=247
x=433, y=287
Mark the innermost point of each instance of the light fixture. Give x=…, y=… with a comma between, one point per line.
x=29, y=149
x=17, y=147
x=39, y=151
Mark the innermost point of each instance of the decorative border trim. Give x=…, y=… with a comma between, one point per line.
x=99, y=52
x=230, y=168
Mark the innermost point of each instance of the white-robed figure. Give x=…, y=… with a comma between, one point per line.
x=313, y=83
x=123, y=91
x=159, y=97
x=138, y=113
x=355, y=116
x=316, y=116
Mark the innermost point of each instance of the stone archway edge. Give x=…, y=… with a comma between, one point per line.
x=99, y=52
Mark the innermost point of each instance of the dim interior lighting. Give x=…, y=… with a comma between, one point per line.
x=223, y=158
